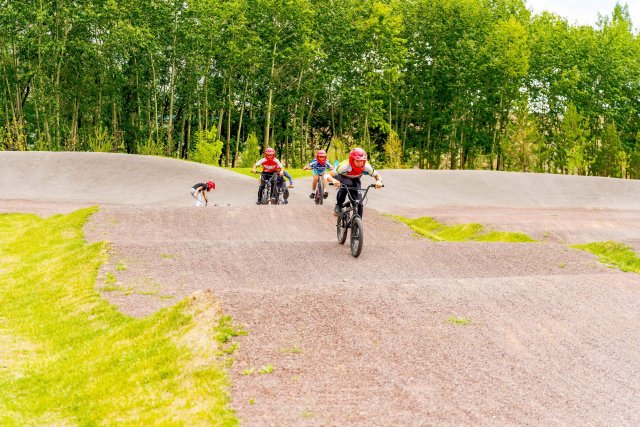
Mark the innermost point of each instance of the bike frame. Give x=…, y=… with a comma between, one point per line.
x=352, y=210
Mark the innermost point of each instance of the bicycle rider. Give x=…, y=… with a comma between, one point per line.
x=319, y=165
x=349, y=173
x=270, y=165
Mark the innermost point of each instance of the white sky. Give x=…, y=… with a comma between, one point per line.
x=585, y=12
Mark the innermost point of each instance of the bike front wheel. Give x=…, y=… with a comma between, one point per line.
x=357, y=236
x=341, y=228
x=320, y=192
x=265, y=197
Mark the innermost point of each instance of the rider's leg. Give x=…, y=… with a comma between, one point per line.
x=314, y=183
x=358, y=196
x=341, y=195
x=261, y=188
x=324, y=179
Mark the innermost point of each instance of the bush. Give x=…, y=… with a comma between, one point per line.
x=13, y=137
x=208, y=148
x=251, y=152
x=393, y=152
x=151, y=148
x=339, y=149
x=101, y=141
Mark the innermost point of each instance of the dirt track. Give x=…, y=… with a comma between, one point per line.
x=553, y=337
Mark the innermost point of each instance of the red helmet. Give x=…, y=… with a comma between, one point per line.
x=357, y=154
x=269, y=153
x=321, y=155
x=210, y=185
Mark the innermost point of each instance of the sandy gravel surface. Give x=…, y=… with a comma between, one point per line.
x=553, y=335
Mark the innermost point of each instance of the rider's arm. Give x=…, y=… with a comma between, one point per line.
x=258, y=163
x=378, y=179
x=288, y=176
x=331, y=178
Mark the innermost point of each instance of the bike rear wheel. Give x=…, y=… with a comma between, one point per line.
x=357, y=236
x=341, y=228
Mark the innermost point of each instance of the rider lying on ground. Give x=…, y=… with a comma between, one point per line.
x=348, y=173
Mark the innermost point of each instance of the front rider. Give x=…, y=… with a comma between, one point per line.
x=270, y=165
x=348, y=173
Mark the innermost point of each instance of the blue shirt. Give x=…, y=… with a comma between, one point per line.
x=318, y=168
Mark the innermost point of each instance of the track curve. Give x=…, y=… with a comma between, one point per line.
x=553, y=334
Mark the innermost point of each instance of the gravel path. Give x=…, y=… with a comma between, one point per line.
x=552, y=336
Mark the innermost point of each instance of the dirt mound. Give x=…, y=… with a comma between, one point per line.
x=411, y=333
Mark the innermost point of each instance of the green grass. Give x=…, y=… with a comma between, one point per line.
x=461, y=321
x=110, y=279
x=295, y=173
x=434, y=230
x=68, y=357
x=266, y=369
x=292, y=350
x=613, y=254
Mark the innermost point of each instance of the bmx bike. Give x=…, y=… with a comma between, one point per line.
x=349, y=218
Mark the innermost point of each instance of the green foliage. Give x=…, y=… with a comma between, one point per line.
x=460, y=321
x=462, y=83
x=251, y=152
x=266, y=369
x=151, y=148
x=393, y=152
x=614, y=254
x=339, y=149
x=208, y=149
x=13, y=137
x=521, y=142
x=101, y=141
x=434, y=230
x=611, y=159
x=572, y=143
x=70, y=358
